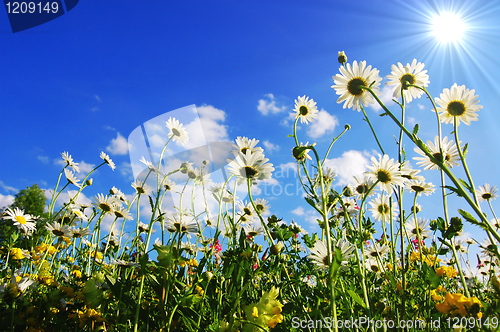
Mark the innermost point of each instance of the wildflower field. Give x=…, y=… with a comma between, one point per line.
x=376, y=265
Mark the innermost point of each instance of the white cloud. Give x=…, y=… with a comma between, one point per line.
x=7, y=188
x=269, y=106
x=43, y=159
x=270, y=147
x=118, y=145
x=85, y=167
x=299, y=211
x=6, y=200
x=324, y=123
x=350, y=163
x=421, y=107
x=386, y=95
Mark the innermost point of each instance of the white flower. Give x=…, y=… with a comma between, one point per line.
x=177, y=131
x=458, y=102
x=305, y=109
x=107, y=160
x=362, y=185
x=70, y=176
x=486, y=192
x=411, y=74
x=319, y=253
x=418, y=226
x=444, y=151
x=58, y=229
x=148, y=164
x=253, y=229
x=377, y=250
x=385, y=172
x=382, y=208
x=23, y=221
x=250, y=165
x=181, y=223
x=420, y=187
x=349, y=85
x=69, y=161
x=141, y=188
x=244, y=143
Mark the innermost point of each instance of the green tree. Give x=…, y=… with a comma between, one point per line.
x=31, y=200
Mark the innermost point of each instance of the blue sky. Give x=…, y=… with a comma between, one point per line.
x=83, y=82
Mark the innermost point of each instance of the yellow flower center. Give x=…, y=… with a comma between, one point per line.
x=354, y=86
x=21, y=220
x=303, y=110
x=456, y=108
x=384, y=176
x=176, y=132
x=407, y=79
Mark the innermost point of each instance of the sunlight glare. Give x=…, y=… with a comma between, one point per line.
x=448, y=27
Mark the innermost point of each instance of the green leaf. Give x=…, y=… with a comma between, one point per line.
x=356, y=298
x=467, y=216
x=454, y=190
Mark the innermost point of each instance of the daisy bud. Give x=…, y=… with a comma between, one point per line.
x=342, y=58
x=89, y=182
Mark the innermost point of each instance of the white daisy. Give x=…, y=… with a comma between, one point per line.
x=349, y=84
x=301, y=152
x=149, y=164
x=382, y=208
x=70, y=176
x=177, y=131
x=458, y=102
x=486, y=192
x=420, y=187
x=362, y=185
x=411, y=74
x=121, y=212
x=181, y=223
x=374, y=265
x=418, y=226
x=262, y=206
x=80, y=232
x=244, y=143
x=377, y=250
x=69, y=161
x=253, y=229
x=409, y=172
x=141, y=188
x=104, y=203
x=107, y=160
x=250, y=166
x=385, y=172
x=448, y=154
x=23, y=221
x=305, y=109
x=58, y=229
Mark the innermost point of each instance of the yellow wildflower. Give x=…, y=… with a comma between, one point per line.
x=449, y=271
x=457, y=304
x=17, y=253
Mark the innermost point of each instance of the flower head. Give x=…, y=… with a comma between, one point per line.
x=69, y=161
x=444, y=151
x=305, y=109
x=458, y=103
x=244, y=143
x=23, y=221
x=382, y=208
x=177, y=131
x=386, y=172
x=250, y=165
x=411, y=74
x=70, y=176
x=107, y=160
x=418, y=227
x=351, y=82
x=486, y=192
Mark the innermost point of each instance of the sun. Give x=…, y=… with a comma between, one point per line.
x=448, y=27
